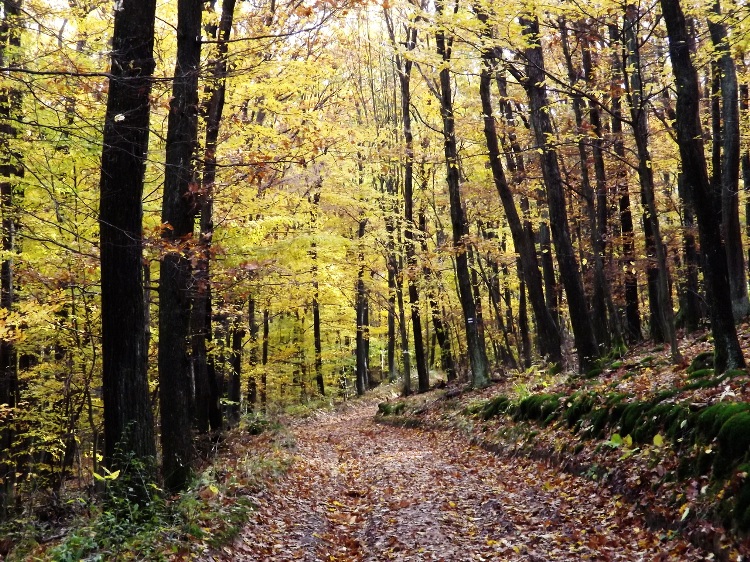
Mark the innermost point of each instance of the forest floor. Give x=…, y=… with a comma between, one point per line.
x=443, y=480
x=362, y=490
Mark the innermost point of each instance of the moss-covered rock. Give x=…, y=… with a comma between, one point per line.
x=494, y=407
x=540, y=407
x=711, y=420
x=577, y=406
x=391, y=408
x=702, y=361
x=734, y=438
x=631, y=415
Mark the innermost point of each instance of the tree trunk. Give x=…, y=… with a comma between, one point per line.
x=474, y=342
x=361, y=310
x=10, y=170
x=660, y=299
x=730, y=166
x=206, y=401
x=745, y=111
x=440, y=330
x=252, y=383
x=128, y=419
x=315, y=200
x=583, y=331
x=630, y=280
x=727, y=351
x=404, y=68
x=264, y=360
x=175, y=279
x=234, y=388
x=598, y=301
x=548, y=334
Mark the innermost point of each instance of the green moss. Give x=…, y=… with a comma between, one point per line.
x=494, y=407
x=711, y=420
x=700, y=373
x=734, y=438
x=538, y=406
x=593, y=373
x=631, y=415
x=391, y=408
x=580, y=404
x=702, y=361
x=598, y=419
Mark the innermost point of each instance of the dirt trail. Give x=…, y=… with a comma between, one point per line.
x=359, y=490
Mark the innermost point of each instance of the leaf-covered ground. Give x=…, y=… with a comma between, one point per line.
x=360, y=490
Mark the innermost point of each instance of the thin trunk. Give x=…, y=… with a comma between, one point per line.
x=404, y=68
x=550, y=345
x=583, y=332
x=598, y=301
x=745, y=111
x=264, y=360
x=474, y=341
x=208, y=413
x=730, y=166
x=315, y=200
x=252, y=383
x=630, y=279
x=234, y=389
x=690, y=309
x=361, y=312
x=440, y=330
x=727, y=351
x=660, y=299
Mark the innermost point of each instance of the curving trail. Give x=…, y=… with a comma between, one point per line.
x=363, y=491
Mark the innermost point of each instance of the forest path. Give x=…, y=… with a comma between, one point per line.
x=364, y=491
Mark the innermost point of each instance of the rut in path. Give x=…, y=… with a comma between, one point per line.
x=359, y=490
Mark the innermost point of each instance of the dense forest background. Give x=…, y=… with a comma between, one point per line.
x=213, y=207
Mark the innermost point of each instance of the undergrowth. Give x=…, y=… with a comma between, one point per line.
x=156, y=527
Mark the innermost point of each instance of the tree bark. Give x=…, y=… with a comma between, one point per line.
x=206, y=400
x=128, y=419
x=404, y=68
x=361, y=311
x=550, y=345
x=175, y=279
x=727, y=351
x=583, y=331
x=10, y=170
x=660, y=299
x=474, y=342
x=633, y=330
x=729, y=166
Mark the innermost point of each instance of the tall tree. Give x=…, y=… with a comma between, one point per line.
x=175, y=279
x=727, y=170
x=474, y=341
x=550, y=345
x=404, y=68
x=660, y=299
x=583, y=331
x=727, y=351
x=11, y=169
x=630, y=280
x=128, y=419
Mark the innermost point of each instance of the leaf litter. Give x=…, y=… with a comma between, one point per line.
x=362, y=491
